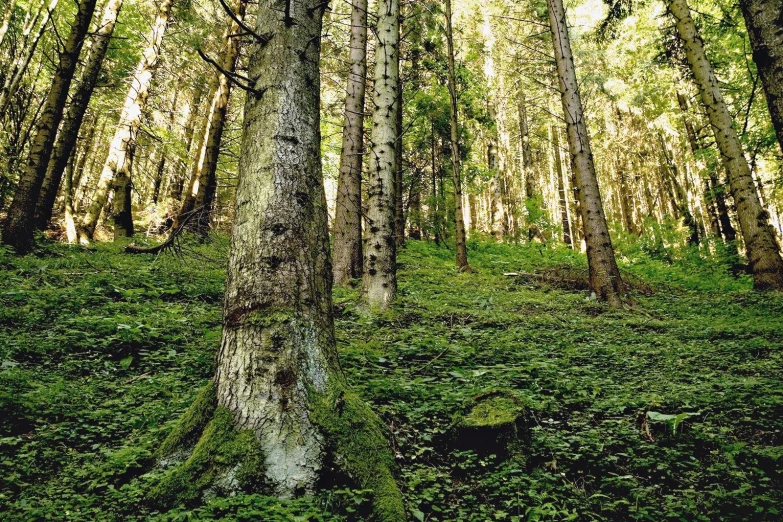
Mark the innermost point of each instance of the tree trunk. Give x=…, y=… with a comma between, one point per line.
x=414, y=204
x=348, y=208
x=763, y=252
x=764, y=20
x=18, y=230
x=70, y=225
x=561, y=191
x=69, y=131
x=122, y=204
x=605, y=279
x=459, y=220
x=278, y=379
x=678, y=195
x=178, y=182
x=8, y=15
x=379, y=281
x=130, y=120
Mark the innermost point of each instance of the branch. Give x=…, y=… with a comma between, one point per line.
x=234, y=78
x=262, y=39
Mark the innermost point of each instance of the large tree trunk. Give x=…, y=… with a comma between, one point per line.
x=456, y=174
x=18, y=230
x=605, y=279
x=69, y=131
x=122, y=204
x=764, y=20
x=379, y=281
x=399, y=205
x=348, y=208
x=278, y=378
x=130, y=120
x=762, y=249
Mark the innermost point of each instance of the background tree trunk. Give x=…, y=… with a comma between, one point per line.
x=348, y=207
x=130, y=119
x=69, y=131
x=762, y=248
x=379, y=280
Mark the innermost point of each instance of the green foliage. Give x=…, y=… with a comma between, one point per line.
x=79, y=428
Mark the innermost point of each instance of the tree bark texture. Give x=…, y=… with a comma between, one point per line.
x=69, y=130
x=762, y=249
x=460, y=245
x=605, y=279
x=379, y=280
x=130, y=120
x=348, y=208
x=19, y=227
x=764, y=20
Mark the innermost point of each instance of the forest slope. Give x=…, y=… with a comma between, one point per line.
x=101, y=352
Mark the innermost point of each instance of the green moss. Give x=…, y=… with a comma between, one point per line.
x=192, y=423
x=357, y=437
x=495, y=410
x=223, y=461
x=267, y=318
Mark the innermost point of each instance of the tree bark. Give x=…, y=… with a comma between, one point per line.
x=605, y=280
x=130, y=120
x=762, y=249
x=8, y=15
x=379, y=280
x=178, y=183
x=122, y=204
x=69, y=131
x=459, y=219
x=278, y=376
x=19, y=228
x=399, y=207
x=764, y=20
x=348, y=208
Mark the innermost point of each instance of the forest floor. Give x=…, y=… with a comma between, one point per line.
x=672, y=410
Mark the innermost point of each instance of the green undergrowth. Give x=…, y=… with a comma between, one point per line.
x=672, y=410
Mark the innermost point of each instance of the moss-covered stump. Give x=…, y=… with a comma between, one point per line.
x=492, y=422
x=206, y=456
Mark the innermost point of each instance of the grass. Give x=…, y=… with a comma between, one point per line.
x=100, y=352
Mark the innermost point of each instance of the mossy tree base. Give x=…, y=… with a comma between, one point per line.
x=205, y=455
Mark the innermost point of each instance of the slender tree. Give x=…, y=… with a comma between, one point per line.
x=764, y=19
x=605, y=280
x=278, y=385
x=379, y=280
x=763, y=251
x=456, y=175
x=18, y=231
x=554, y=132
x=117, y=161
x=69, y=131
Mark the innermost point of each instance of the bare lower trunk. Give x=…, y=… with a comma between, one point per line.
x=379, y=281
x=762, y=249
x=122, y=208
x=130, y=120
x=178, y=181
x=459, y=219
x=764, y=20
x=605, y=279
x=70, y=225
x=348, y=208
x=399, y=207
x=18, y=231
x=69, y=131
